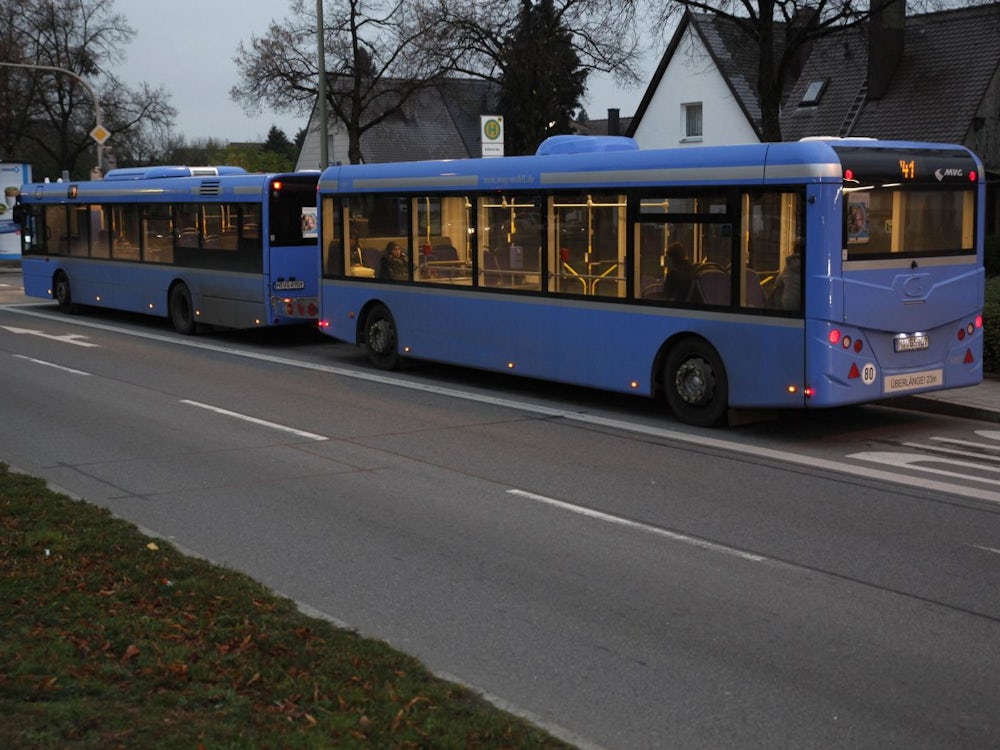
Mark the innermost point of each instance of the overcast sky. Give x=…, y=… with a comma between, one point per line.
x=188, y=46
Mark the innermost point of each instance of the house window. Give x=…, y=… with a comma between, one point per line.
x=692, y=121
x=814, y=91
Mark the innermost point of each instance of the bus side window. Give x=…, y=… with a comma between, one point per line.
x=771, y=224
x=586, y=240
x=156, y=236
x=512, y=230
x=58, y=232
x=441, y=226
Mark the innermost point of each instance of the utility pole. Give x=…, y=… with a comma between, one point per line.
x=324, y=126
x=99, y=133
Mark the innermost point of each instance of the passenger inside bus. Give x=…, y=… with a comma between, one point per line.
x=395, y=264
x=357, y=259
x=788, y=285
x=680, y=273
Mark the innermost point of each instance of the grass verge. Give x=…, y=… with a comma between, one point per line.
x=113, y=639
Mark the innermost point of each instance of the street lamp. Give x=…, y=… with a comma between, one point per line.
x=99, y=133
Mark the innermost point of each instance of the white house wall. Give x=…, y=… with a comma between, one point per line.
x=691, y=77
x=338, y=144
x=309, y=153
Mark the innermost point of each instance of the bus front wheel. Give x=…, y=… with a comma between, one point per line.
x=695, y=384
x=181, y=311
x=62, y=292
x=381, y=341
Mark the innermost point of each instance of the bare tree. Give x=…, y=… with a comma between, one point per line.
x=473, y=36
x=47, y=116
x=377, y=59
x=379, y=53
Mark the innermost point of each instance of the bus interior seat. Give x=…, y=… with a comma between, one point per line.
x=653, y=290
x=711, y=287
x=752, y=289
x=371, y=257
x=491, y=269
x=445, y=253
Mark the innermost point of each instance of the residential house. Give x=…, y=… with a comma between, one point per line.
x=440, y=121
x=929, y=77
x=613, y=124
x=703, y=92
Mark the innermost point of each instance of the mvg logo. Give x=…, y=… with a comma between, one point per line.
x=942, y=173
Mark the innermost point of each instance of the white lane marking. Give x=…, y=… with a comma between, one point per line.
x=912, y=461
x=254, y=420
x=951, y=451
x=987, y=549
x=970, y=443
x=69, y=338
x=989, y=434
x=51, y=364
x=809, y=462
x=608, y=518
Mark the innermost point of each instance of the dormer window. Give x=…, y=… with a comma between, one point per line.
x=814, y=91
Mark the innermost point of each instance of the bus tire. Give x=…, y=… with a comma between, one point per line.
x=695, y=383
x=181, y=310
x=63, y=293
x=381, y=340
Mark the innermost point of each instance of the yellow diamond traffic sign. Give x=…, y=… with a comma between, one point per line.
x=100, y=134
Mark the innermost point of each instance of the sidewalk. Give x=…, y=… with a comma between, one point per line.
x=975, y=402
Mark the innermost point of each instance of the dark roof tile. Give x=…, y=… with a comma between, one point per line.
x=949, y=59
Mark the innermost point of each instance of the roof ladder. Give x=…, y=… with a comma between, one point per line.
x=851, y=119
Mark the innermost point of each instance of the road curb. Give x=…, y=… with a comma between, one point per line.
x=944, y=408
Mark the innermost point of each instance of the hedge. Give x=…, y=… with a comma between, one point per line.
x=991, y=326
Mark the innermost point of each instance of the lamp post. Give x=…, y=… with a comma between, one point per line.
x=99, y=133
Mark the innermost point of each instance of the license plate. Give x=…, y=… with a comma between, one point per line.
x=911, y=343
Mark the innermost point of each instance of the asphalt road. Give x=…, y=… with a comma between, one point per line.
x=624, y=580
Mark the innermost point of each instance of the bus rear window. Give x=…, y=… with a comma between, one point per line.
x=892, y=221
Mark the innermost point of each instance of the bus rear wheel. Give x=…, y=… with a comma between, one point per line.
x=62, y=292
x=695, y=384
x=181, y=311
x=381, y=341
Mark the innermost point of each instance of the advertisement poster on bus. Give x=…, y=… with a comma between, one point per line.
x=857, y=218
x=13, y=177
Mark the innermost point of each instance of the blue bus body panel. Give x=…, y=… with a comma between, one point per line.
x=293, y=279
x=610, y=346
x=144, y=288
x=874, y=306
x=743, y=165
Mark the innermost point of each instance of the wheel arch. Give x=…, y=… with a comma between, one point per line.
x=656, y=372
x=178, y=280
x=360, y=323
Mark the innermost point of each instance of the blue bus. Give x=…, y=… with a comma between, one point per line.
x=765, y=276
x=211, y=246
